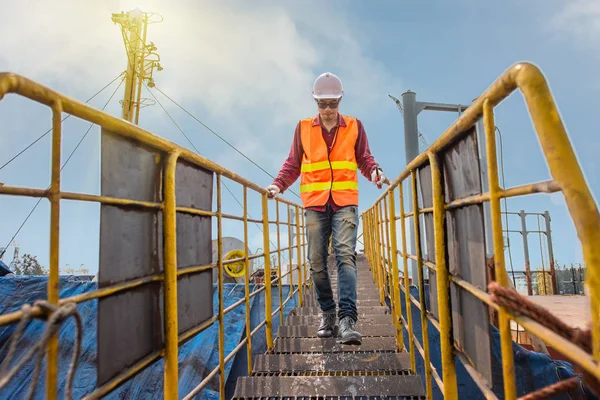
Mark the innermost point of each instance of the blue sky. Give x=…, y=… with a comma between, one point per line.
x=246, y=70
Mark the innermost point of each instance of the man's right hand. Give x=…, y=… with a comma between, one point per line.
x=272, y=191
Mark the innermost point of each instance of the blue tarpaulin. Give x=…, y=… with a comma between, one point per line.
x=533, y=370
x=197, y=358
x=200, y=355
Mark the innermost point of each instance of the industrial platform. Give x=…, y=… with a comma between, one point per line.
x=305, y=366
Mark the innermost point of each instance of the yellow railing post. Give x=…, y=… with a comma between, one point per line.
x=388, y=268
x=501, y=275
x=379, y=254
x=170, y=266
x=221, y=280
x=300, y=269
x=421, y=285
x=388, y=249
x=443, y=282
x=53, y=282
x=372, y=246
x=267, y=266
x=368, y=251
x=411, y=346
x=279, y=281
x=247, y=284
x=290, y=253
x=384, y=269
x=397, y=311
x=304, y=250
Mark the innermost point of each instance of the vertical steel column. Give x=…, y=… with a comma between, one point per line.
x=388, y=263
x=170, y=290
x=397, y=310
x=279, y=282
x=221, y=278
x=141, y=67
x=508, y=371
x=485, y=187
x=526, y=252
x=53, y=281
x=443, y=282
x=381, y=264
x=247, y=284
x=299, y=255
x=411, y=346
x=424, y=321
x=304, y=263
x=372, y=224
x=411, y=148
x=267, y=269
x=290, y=254
x=550, y=252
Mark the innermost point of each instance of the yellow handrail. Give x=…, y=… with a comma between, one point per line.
x=567, y=178
x=11, y=83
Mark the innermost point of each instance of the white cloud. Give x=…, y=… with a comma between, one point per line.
x=249, y=66
x=580, y=20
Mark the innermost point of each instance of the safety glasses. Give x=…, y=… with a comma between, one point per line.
x=331, y=104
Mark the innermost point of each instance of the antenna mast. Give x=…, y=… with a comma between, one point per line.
x=141, y=59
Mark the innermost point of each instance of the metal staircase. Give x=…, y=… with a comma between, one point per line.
x=303, y=366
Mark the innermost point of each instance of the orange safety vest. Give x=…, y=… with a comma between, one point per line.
x=325, y=173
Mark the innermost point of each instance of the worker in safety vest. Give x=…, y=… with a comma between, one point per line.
x=327, y=151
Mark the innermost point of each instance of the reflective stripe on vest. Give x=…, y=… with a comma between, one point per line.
x=314, y=187
x=329, y=173
x=325, y=165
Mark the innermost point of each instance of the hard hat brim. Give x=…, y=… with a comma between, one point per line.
x=327, y=96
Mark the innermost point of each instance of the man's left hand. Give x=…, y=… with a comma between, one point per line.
x=379, y=178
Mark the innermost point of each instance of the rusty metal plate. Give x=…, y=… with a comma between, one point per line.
x=194, y=189
x=130, y=323
x=332, y=362
x=368, y=387
x=311, y=331
x=427, y=235
x=466, y=252
x=330, y=345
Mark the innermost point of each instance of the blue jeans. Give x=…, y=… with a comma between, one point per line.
x=343, y=224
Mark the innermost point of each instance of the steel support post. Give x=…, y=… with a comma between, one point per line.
x=524, y=232
x=411, y=147
x=485, y=187
x=550, y=252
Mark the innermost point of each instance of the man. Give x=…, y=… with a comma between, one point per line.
x=326, y=151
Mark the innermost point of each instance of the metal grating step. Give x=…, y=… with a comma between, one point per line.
x=361, y=295
x=361, y=280
x=312, y=302
x=368, y=319
x=330, y=387
x=382, y=372
x=366, y=330
x=349, y=397
x=334, y=363
x=330, y=345
x=361, y=310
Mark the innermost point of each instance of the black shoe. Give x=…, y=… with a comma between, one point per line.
x=348, y=333
x=327, y=327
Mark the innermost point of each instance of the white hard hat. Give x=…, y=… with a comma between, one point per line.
x=327, y=86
